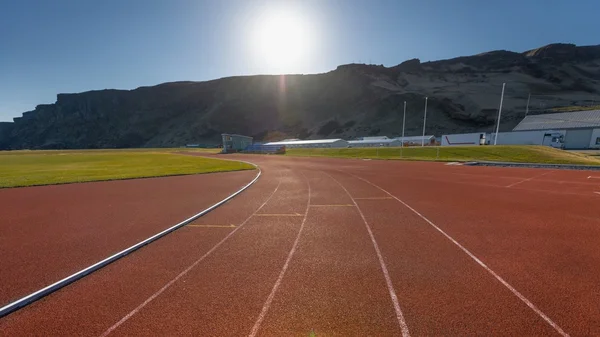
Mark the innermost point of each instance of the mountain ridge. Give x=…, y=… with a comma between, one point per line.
x=352, y=100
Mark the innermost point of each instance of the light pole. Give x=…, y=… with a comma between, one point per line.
x=499, y=114
x=424, y=121
x=403, y=123
x=527, y=109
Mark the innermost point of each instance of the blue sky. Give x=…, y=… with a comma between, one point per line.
x=50, y=47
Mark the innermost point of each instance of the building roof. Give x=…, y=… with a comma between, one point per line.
x=374, y=138
x=304, y=142
x=373, y=141
x=234, y=135
x=563, y=120
x=413, y=138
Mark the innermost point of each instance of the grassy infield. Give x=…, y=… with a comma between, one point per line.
x=507, y=153
x=30, y=168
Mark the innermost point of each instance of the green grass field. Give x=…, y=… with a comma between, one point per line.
x=30, y=168
x=507, y=153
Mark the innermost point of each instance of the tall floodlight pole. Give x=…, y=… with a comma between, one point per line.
x=403, y=123
x=499, y=114
x=527, y=109
x=424, y=121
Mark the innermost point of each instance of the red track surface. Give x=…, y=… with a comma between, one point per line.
x=466, y=251
x=50, y=232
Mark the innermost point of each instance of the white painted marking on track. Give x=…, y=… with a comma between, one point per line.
x=528, y=179
x=342, y=205
x=267, y=305
x=27, y=300
x=484, y=185
x=593, y=177
x=212, y=226
x=386, y=274
x=187, y=270
x=472, y=256
x=597, y=192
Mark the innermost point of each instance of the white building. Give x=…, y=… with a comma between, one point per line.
x=581, y=128
x=374, y=142
x=417, y=140
x=462, y=139
x=373, y=138
x=312, y=143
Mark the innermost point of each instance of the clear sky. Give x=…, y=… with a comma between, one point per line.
x=61, y=46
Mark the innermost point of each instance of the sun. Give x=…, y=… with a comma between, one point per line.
x=282, y=41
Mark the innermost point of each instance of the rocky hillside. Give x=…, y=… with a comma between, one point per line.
x=353, y=100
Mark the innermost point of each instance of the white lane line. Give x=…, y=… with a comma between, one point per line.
x=471, y=255
x=25, y=301
x=187, y=270
x=593, y=177
x=597, y=192
x=529, y=179
x=483, y=185
x=267, y=305
x=386, y=274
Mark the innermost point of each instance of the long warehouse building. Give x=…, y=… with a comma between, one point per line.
x=374, y=142
x=581, y=128
x=311, y=143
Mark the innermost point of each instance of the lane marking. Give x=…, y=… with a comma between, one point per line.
x=343, y=205
x=546, y=191
x=528, y=179
x=571, y=182
x=386, y=274
x=213, y=226
x=282, y=214
x=576, y=216
x=597, y=192
x=373, y=198
x=25, y=301
x=593, y=177
x=187, y=270
x=469, y=183
x=477, y=260
x=267, y=305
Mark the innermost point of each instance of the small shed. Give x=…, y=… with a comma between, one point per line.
x=235, y=143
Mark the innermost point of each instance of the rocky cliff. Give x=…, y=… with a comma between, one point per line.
x=353, y=100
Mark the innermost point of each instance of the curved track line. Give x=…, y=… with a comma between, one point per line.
x=25, y=301
x=476, y=259
x=187, y=270
x=386, y=274
x=267, y=305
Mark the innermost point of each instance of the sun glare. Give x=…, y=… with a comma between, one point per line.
x=282, y=42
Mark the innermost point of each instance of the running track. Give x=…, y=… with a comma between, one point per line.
x=354, y=247
x=49, y=232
